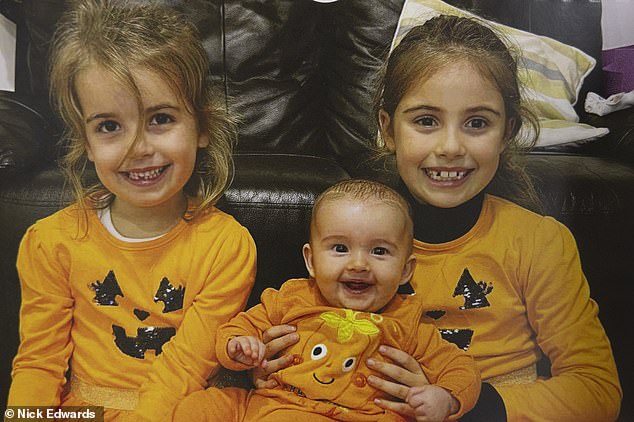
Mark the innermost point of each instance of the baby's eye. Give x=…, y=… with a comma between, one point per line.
x=477, y=123
x=340, y=248
x=161, y=119
x=426, y=121
x=318, y=352
x=379, y=250
x=108, y=126
x=348, y=364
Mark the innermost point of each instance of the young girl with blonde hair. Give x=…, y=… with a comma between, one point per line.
x=127, y=286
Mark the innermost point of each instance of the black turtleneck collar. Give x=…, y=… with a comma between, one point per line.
x=440, y=225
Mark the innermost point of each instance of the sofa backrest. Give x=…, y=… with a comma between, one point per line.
x=301, y=73
x=296, y=71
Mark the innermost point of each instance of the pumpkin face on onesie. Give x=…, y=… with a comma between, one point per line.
x=330, y=358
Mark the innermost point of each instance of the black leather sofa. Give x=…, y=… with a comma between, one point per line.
x=300, y=73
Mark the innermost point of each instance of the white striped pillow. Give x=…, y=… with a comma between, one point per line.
x=551, y=72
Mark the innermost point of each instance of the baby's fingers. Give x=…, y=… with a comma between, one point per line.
x=233, y=348
x=244, y=347
x=252, y=349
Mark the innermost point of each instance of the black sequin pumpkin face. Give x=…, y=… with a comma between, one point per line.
x=147, y=338
x=475, y=297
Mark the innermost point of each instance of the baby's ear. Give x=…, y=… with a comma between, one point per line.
x=408, y=269
x=307, y=252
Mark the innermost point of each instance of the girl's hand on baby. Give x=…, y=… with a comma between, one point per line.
x=247, y=350
x=276, y=338
x=405, y=373
x=431, y=403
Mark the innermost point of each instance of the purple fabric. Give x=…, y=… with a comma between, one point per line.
x=618, y=65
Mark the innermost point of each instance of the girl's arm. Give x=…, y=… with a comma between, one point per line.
x=45, y=320
x=189, y=358
x=584, y=385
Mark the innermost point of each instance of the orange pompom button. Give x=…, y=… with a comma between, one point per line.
x=359, y=380
x=297, y=359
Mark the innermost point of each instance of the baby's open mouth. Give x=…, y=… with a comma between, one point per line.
x=357, y=286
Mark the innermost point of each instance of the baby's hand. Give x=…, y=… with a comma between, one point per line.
x=247, y=350
x=432, y=403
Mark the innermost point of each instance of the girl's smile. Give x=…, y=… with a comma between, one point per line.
x=447, y=176
x=147, y=176
x=448, y=132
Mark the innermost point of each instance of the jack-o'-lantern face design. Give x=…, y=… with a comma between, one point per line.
x=330, y=358
x=147, y=338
